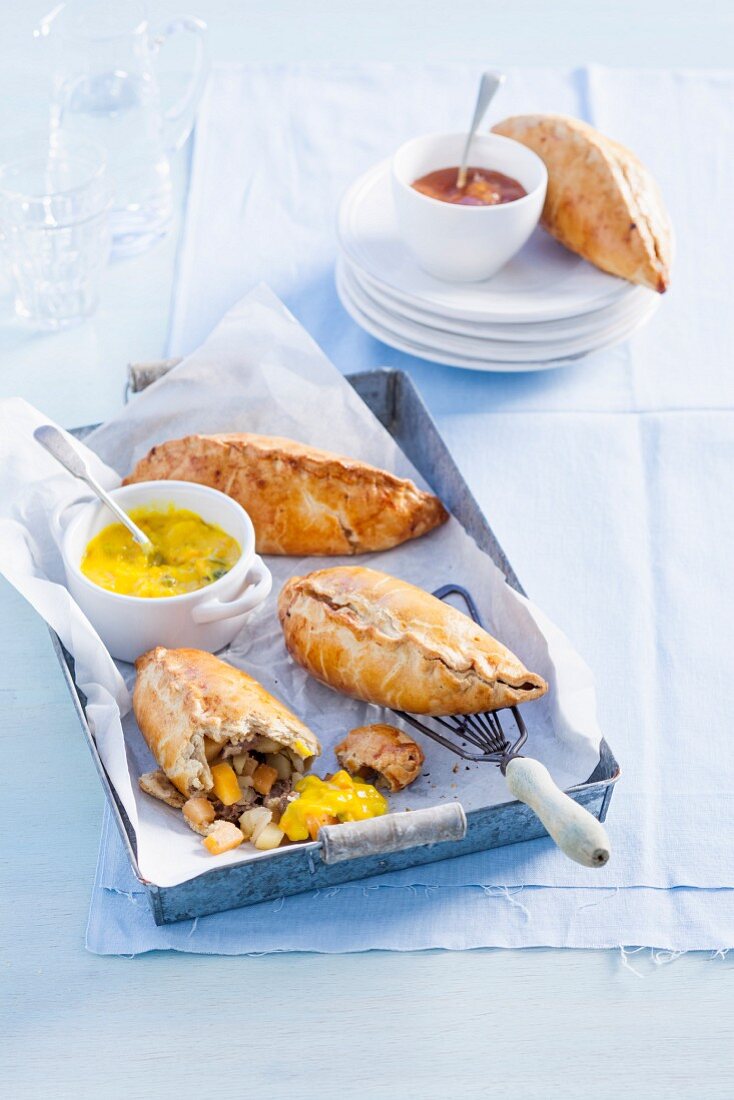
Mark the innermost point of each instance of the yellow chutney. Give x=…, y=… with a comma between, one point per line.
x=329, y=801
x=190, y=554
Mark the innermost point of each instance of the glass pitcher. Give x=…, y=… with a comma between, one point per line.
x=106, y=90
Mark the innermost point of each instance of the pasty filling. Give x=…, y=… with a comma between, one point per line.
x=260, y=793
x=252, y=784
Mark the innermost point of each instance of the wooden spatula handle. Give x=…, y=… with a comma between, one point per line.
x=576, y=832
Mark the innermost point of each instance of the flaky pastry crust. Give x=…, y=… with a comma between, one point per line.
x=602, y=202
x=302, y=501
x=382, y=640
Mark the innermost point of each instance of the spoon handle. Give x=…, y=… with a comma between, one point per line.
x=59, y=448
x=67, y=456
x=488, y=85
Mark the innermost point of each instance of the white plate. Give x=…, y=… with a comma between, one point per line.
x=455, y=359
x=544, y=282
x=429, y=354
x=483, y=349
x=532, y=332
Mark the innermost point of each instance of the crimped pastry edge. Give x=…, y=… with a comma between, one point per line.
x=304, y=587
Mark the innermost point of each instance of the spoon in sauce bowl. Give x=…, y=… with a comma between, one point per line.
x=67, y=456
x=488, y=86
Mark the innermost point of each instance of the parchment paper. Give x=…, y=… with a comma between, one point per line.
x=260, y=371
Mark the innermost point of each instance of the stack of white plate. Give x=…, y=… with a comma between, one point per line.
x=546, y=307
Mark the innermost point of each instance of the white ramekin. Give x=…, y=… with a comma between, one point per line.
x=208, y=618
x=465, y=243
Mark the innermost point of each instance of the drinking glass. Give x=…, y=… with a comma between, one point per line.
x=54, y=226
x=104, y=58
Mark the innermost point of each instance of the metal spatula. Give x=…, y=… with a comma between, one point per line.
x=481, y=737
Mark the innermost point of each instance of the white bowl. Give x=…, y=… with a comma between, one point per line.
x=208, y=618
x=465, y=243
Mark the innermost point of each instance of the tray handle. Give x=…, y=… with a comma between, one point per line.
x=392, y=832
x=142, y=375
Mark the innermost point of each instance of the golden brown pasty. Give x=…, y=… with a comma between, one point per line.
x=602, y=203
x=301, y=500
x=377, y=638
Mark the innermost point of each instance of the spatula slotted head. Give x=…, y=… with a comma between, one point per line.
x=477, y=737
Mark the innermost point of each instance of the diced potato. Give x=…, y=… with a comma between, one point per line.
x=254, y=821
x=261, y=824
x=269, y=837
x=245, y=781
x=211, y=749
x=223, y=837
x=199, y=812
x=239, y=761
x=226, y=788
x=251, y=765
x=263, y=778
x=296, y=761
x=265, y=744
x=247, y=796
x=316, y=820
x=281, y=763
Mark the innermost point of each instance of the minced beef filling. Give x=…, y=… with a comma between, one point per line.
x=279, y=797
x=228, y=813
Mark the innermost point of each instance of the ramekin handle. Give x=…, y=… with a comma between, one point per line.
x=61, y=516
x=258, y=582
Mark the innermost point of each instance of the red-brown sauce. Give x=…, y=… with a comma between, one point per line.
x=483, y=187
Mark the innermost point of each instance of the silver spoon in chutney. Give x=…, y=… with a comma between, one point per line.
x=58, y=446
x=488, y=86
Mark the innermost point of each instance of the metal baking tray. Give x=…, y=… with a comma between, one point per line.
x=347, y=852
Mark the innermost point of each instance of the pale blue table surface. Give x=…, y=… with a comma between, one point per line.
x=536, y=1023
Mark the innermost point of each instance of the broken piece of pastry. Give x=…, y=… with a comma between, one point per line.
x=601, y=202
x=301, y=500
x=225, y=746
x=382, y=754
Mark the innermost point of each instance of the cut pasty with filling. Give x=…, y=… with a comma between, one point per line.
x=224, y=744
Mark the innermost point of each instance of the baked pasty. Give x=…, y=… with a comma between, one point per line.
x=223, y=743
x=602, y=202
x=381, y=751
x=301, y=500
x=379, y=639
